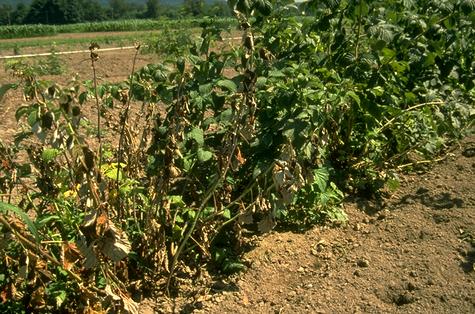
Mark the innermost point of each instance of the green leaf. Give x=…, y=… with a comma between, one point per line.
x=60, y=298
x=176, y=200
x=392, y=184
x=205, y=89
x=110, y=170
x=388, y=53
x=187, y=163
x=21, y=111
x=83, y=97
x=321, y=178
x=227, y=84
x=233, y=267
x=355, y=97
x=227, y=213
x=226, y=115
x=378, y=44
x=32, y=117
x=5, y=208
x=5, y=87
x=204, y=155
x=261, y=82
x=276, y=73
x=46, y=220
x=180, y=65
x=191, y=214
x=49, y=154
x=196, y=134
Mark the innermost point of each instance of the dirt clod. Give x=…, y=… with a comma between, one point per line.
x=405, y=298
x=362, y=262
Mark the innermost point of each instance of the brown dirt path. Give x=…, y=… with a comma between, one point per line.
x=410, y=255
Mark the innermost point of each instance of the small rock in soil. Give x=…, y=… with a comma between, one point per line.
x=411, y=286
x=469, y=152
x=383, y=215
x=403, y=299
x=362, y=262
x=413, y=273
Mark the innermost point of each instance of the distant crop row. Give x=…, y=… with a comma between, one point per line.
x=22, y=31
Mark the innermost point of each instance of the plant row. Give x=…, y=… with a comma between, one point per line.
x=186, y=157
x=25, y=31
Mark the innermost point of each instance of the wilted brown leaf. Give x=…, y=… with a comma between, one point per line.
x=101, y=224
x=115, y=244
x=266, y=224
x=239, y=156
x=87, y=252
x=70, y=254
x=4, y=296
x=38, y=298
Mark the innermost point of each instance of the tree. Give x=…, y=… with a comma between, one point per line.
x=193, y=7
x=94, y=11
x=61, y=12
x=218, y=8
x=118, y=9
x=45, y=12
x=6, y=12
x=73, y=11
x=20, y=13
x=152, y=9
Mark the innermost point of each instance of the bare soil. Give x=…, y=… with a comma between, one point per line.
x=112, y=66
x=412, y=253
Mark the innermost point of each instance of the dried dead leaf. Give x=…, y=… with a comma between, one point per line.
x=245, y=299
x=266, y=224
x=89, y=158
x=88, y=253
x=4, y=296
x=101, y=224
x=70, y=254
x=130, y=306
x=115, y=244
x=239, y=156
x=108, y=290
x=246, y=218
x=37, y=298
x=90, y=219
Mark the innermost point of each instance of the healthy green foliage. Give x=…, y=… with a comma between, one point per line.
x=36, y=30
x=51, y=65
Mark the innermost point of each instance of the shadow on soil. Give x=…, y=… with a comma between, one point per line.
x=468, y=265
x=440, y=201
x=370, y=206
